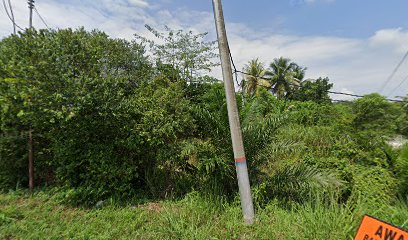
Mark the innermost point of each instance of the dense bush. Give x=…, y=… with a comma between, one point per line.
x=13, y=165
x=109, y=122
x=374, y=186
x=45, y=81
x=402, y=171
x=374, y=113
x=101, y=112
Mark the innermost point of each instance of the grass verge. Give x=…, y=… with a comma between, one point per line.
x=41, y=216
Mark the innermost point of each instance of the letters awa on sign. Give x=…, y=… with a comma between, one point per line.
x=374, y=229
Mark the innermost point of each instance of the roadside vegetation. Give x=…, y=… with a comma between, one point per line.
x=131, y=140
x=42, y=216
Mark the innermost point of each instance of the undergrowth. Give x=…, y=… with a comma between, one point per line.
x=41, y=216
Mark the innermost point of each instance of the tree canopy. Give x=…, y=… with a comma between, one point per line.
x=285, y=76
x=186, y=52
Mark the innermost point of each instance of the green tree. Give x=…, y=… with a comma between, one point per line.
x=404, y=127
x=375, y=114
x=285, y=75
x=186, y=52
x=402, y=171
x=47, y=79
x=253, y=77
x=313, y=90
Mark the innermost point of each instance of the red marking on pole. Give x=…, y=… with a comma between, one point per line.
x=240, y=160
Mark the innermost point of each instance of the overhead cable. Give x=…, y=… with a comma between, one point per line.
x=11, y=15
x=393, y=72
x=331, y=92
x=41, y=18
x=399, y=85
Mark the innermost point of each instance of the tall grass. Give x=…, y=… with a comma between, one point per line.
x=194, y=217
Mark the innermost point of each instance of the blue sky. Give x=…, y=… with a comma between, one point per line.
x=356, y=43
x=347, y=18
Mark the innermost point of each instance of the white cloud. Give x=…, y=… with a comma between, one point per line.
x=353, y=65
x=359, y=65
x=139, y=3
x=395, y=39
x=119, y=18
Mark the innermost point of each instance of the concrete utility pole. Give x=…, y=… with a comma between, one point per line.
x=233, y=116
x=30, y=131
x=31, y=6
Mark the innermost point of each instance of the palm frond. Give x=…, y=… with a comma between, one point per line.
x=285, y=76
x=258, y=133
x=254, y=71
x=296, y=183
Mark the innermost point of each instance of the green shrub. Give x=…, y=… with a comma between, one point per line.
x=311, y=113
x=46, y=79
x=373, y=186
x=375, y=114
x=402, y=171
x=300, y=184
x=117, y=143
x=13, y=161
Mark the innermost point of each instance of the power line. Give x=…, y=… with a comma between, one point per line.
x=331, y=92
x=341, y=101
x=268, y=79
x=399, y=85
x=42, y=19
x=393, y=72
x=11, y=16
x=233, y=65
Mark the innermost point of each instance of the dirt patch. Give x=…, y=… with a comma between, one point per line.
x=153, y=207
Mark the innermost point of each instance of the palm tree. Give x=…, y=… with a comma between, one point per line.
x=285, y=76
x=254, y=72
